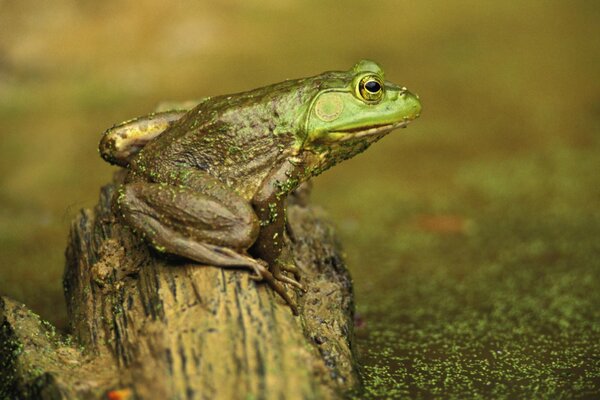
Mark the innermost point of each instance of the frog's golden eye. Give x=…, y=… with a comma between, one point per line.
x=370, y=88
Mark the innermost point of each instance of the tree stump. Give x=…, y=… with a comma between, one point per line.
x=146, y=326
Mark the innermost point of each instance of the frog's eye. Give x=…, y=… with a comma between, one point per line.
x=370, y=88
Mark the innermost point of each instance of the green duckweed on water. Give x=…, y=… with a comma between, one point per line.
x=494, y=294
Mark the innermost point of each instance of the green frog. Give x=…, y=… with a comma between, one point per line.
x=209, y=182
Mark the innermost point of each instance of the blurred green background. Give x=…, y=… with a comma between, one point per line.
x=473, y=236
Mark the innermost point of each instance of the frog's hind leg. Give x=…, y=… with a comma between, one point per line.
x=191, y=224
x=194, y=225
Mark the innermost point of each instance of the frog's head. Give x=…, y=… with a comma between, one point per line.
x=353, y=109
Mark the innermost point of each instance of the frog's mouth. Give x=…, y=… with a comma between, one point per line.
x=376, y=130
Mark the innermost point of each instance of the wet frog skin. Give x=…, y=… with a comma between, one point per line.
x=210, y=183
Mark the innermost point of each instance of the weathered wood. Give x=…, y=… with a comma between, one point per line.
x=166, y=328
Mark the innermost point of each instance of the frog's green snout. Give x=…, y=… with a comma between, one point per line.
x=410, y=104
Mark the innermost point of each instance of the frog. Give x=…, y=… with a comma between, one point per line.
x=209, y=181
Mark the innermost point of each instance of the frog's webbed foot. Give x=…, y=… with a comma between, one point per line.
x=263, y=274
x=283, y=278
x=277, y=269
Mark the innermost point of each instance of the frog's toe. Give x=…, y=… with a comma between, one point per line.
x=263, y=273
x=294, y=306
x=286, y=279
x=292, y=268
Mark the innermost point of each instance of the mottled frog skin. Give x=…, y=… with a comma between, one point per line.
x=210, y=183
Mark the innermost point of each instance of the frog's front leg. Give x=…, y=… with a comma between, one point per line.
x=270, y=207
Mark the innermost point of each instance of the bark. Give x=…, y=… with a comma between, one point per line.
x=146, y=326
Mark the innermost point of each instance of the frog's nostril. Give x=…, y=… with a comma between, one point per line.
x=410, y=104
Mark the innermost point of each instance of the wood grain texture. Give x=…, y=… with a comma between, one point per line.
x=165, y=328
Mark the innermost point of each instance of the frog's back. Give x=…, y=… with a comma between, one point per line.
x=238, y=138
